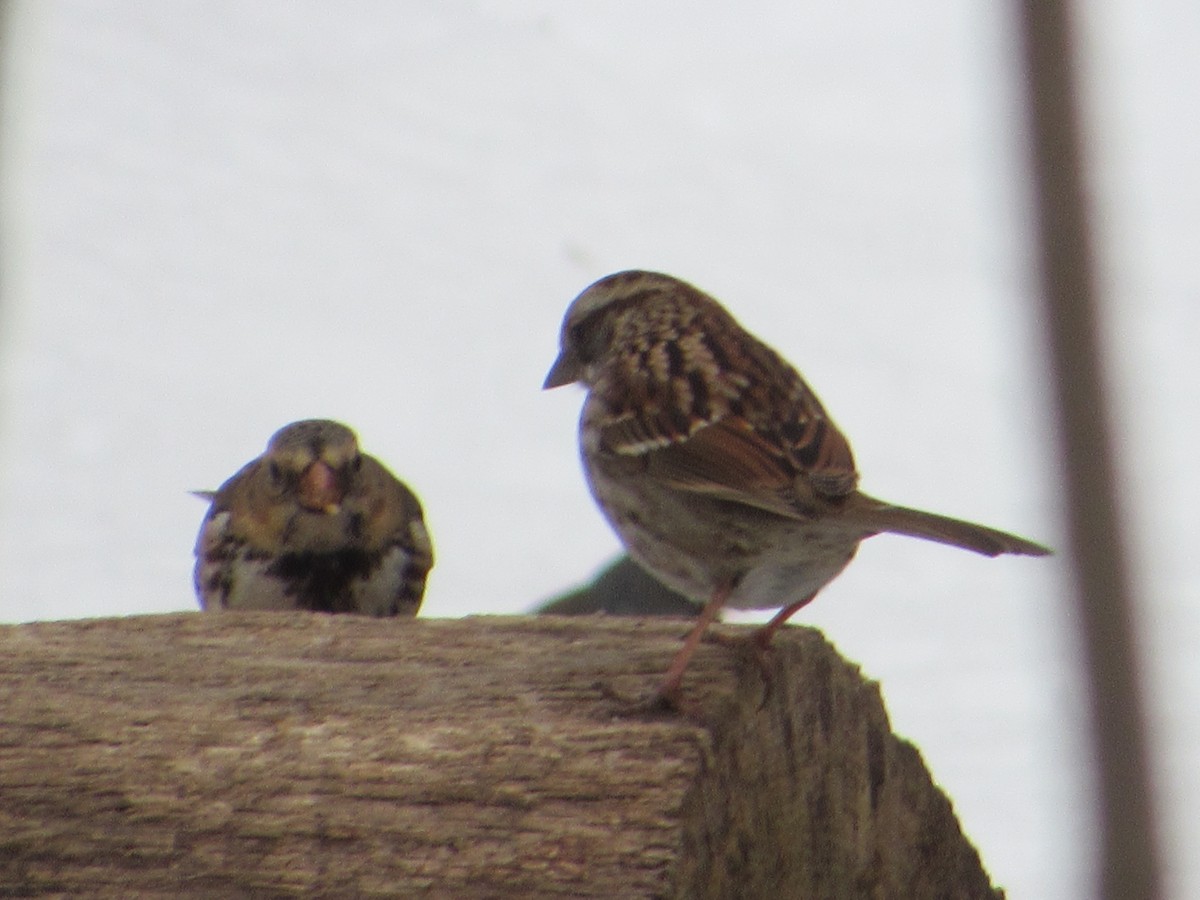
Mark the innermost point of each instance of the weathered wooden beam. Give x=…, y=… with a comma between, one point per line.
x=275, y=755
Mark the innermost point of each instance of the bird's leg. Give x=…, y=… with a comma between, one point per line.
x=762, y=637
x=668, y=691
x=758, y=643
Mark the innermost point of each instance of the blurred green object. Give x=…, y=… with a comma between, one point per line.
x=623, y=589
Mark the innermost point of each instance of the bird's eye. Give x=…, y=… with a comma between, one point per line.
x=590, y=339
x=275, y=472
x=356, y=464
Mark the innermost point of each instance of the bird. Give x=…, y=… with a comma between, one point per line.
x=715, y=463
x=313, y=524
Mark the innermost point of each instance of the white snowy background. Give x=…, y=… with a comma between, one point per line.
x=220, y=217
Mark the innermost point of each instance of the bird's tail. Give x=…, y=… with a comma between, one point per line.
x=881, y=517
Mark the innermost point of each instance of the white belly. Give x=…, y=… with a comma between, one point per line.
x=694, y=543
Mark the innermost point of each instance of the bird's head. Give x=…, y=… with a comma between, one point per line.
x=316, y=460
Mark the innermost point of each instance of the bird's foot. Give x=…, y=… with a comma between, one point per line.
x=757, y=646
x=665, y=701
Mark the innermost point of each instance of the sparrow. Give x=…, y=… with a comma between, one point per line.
x=313, y=524
x=715, y=463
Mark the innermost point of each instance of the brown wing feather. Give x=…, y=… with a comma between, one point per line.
x=706, y=425
x=730, y=462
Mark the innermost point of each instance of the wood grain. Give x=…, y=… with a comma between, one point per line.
x=280, y=755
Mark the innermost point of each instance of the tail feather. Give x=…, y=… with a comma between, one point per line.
x=885, y=517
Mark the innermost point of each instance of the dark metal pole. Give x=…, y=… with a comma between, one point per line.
x=1130, y=868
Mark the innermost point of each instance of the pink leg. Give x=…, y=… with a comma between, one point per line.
x=763, y=636
x=669, y=690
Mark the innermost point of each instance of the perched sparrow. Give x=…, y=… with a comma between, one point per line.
x=714, y=461
x=313, y=524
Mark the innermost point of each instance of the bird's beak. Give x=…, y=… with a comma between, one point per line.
x=566, y=370
x=319, y=489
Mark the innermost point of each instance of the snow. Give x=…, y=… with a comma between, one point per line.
x=220, y=217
